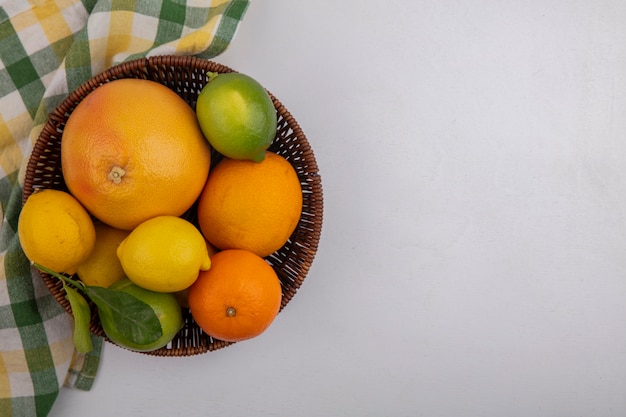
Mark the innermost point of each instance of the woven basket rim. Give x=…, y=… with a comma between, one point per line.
x=184, y=75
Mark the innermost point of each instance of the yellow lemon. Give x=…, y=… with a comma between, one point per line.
x=164, y=254
x=102, y=268
x=56, y=231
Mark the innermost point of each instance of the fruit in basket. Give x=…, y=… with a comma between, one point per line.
x=237, y=116
x=165, y=307
x=55, y=230
x=102, y=268
x=164, y=254
x=251, y=205
x=238, y=298
x=131, y=150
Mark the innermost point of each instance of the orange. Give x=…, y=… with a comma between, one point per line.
x=131, y=150
x=238, y=298
x=251, y=205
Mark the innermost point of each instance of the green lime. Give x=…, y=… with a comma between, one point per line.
x=165, y=306
x=237, y=116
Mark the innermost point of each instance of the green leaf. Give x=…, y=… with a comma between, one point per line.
x=133, y=318
x=82, y=318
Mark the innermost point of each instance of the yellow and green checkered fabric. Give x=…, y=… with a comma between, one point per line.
x=47, y=49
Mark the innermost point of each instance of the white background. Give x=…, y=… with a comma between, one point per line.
x=473, y=254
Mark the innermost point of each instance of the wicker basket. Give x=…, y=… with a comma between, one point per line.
x=186, y=76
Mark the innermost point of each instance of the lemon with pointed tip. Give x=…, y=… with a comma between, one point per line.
x=164, y=254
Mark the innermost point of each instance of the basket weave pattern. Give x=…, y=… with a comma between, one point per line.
x=187, y=76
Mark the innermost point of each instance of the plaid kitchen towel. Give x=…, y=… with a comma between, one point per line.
x=47, y=49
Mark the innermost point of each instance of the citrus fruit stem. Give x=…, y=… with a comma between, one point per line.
x=231, y=312
x=210, y=75
x=116, y=174
x=66, y=280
